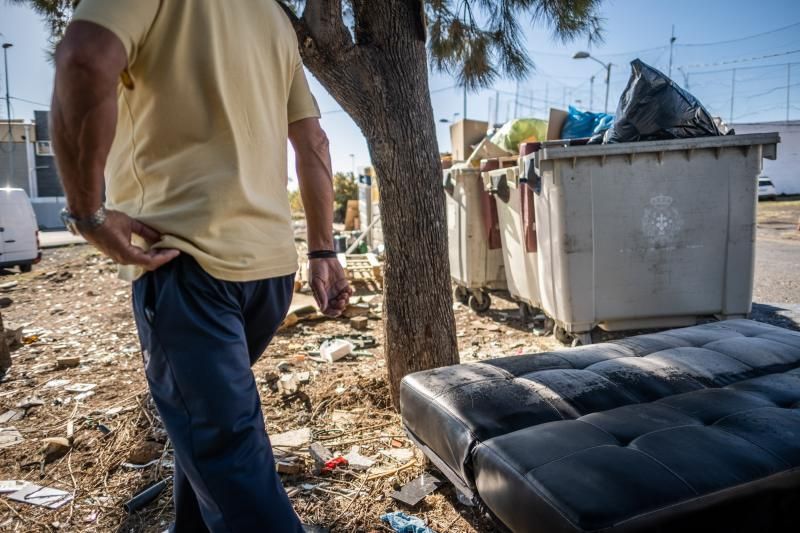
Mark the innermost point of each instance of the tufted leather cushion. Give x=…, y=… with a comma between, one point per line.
x=696, y=428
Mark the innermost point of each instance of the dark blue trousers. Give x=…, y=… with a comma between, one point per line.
x=200, y=336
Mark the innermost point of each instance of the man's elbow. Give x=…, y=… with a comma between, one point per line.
x=308, y=136
x=92, y=52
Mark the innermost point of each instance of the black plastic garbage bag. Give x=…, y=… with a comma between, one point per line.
x=653, y=107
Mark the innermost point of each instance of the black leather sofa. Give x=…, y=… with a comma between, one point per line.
x=695, y=429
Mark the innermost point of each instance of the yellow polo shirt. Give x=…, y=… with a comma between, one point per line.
x=204, y=108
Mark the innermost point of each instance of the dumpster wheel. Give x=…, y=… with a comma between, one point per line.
x=480, y=301
x=461, y=295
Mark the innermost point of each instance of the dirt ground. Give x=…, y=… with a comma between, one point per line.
x=72, y=305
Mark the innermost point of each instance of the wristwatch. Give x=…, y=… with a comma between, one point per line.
x=76, y=226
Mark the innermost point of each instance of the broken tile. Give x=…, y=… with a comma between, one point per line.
x=43, y=496
x=415, y=491
x=292, y=439
x=80, y=387
x=12, y=415
x=10, y=437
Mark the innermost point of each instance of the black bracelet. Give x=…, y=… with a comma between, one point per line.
x=322, y=254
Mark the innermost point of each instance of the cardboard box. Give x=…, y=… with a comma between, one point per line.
x=465, y=134
x=555, y=123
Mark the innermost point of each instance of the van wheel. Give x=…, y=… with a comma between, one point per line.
x=25, y=268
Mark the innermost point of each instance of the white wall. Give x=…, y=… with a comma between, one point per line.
x=785, y=170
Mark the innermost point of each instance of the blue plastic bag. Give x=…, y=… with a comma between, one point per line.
x=403, y=523
x=581, y=124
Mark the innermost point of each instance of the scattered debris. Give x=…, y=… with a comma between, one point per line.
x=401, y=455
x=289, y=466
x=5, y=302
x=56, y=383
x=146, y=452
x=49, y=497
x=321, y=455
x=415, y=491
x=9, y=437
x=359, y=323
x=358, y=461
x=334, y=349
x=68, y=362
x=141, y=499
x=11, y=485
x=80, y=387
x=8, y=285
x=356, y=310
x=298, y=438
x=12, y=415
x=402, y=523
x=333, y=464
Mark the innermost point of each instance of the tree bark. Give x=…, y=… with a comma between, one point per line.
x=381, y=80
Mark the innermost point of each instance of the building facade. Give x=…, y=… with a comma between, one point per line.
x=28, y=163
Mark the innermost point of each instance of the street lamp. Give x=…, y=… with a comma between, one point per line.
x=607, y=66
x=6, y=46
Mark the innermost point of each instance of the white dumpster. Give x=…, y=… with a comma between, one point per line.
x=476, y=258
x=646, y=234
x=514, y=201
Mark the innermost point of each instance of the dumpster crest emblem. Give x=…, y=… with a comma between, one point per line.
x=661, y=221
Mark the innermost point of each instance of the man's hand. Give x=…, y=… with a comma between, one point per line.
x=113, y=238
x=329, y=284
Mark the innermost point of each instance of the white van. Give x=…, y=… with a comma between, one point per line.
x=19, y=233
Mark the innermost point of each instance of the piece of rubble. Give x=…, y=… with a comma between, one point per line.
x=80, y=387
x=68, y=362
x=321, y=455
x=354, y=310
x=8, y=285
x=12, y=415
x=5, y=302
x=289, y=466
x=43, y=496
x=10, y=437
x=55, y=383
x=11, y=485
x=145, y=452
x=298, y=438
x=401, y=455
x=358, y=461
x=334, y=349
x=359, y=323
x=417, y=489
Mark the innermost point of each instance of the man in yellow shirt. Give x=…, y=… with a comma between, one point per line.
x=186, y=108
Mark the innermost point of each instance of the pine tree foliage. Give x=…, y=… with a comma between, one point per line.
x=477, y=41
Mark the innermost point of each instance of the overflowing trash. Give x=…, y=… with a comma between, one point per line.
x=653, y=107
x=581, y=124
x=402, y=523
x=517, y=131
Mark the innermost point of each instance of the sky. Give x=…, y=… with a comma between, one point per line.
x=760, y=40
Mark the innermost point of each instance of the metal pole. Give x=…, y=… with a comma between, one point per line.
x=733, y=94
x=6, y=46
x=788, y=88
x=608, y=83
x=516, y=101
x=671, y=44
x=496, y=106
x=464, y=116
x=591, y=93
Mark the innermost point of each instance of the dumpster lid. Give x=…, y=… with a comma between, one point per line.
x=556, y=150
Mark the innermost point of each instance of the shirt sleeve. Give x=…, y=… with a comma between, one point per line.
x=302, y=103
x=129, y=20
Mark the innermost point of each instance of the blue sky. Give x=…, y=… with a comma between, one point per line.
x=633, y=28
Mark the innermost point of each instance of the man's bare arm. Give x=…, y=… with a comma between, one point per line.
x=315, y=177
x=89, y=62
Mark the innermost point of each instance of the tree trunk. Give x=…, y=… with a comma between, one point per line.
x=381, y=80
x=5, y=352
